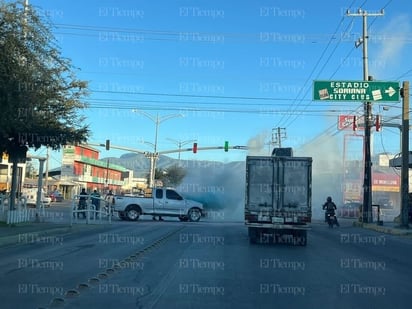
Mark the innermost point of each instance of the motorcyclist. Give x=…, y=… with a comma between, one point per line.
x=330, y=208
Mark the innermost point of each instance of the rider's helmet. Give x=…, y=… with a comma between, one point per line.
x=329, y=199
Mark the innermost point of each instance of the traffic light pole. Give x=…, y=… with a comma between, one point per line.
x=367, y=180
x=153, y=156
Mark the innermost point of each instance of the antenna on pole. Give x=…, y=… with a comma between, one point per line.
x=278, y=136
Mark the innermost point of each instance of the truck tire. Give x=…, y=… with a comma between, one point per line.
x=133, y=213
x=253, y=235
x=253, y=239
x=304, y=238
x=194, y=214
x=300, y=238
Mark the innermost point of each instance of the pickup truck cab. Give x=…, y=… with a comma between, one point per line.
x=165, y=202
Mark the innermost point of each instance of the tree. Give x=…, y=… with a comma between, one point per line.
x=30, y=170
x=172, y=176
x=40, y=96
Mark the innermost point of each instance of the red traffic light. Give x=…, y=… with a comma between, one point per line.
x=355, y=123
x=194, y=147
x=378, y=123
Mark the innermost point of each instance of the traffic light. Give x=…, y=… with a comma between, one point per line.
x=378, y=123
x=107, y=144
x=194, y=147
x=226, y=146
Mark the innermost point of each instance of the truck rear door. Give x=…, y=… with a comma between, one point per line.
x=294, y=188
x=277, y=187
x=260, y=188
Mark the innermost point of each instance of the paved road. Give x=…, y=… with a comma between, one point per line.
x=172, y=264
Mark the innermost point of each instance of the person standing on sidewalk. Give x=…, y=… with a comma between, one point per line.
x=95, y=197
x=110, y=201
x=82, y=203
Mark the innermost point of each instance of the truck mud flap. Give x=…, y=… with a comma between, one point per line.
x=296, y=237
x=279, y=226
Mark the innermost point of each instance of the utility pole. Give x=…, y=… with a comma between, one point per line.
x=46, y=180
x=405, y=156
x=107, y=174
x=367, y=180
x=278, y=136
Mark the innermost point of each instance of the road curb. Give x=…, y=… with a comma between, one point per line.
x=383, y=229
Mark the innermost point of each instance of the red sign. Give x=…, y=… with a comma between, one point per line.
x=346, y=122
x=385, y=182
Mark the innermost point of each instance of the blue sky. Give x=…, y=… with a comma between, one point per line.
x=234, y=69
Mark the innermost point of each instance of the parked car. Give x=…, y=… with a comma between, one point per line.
x=56, y=196
x=47, y=201
x=30, y=195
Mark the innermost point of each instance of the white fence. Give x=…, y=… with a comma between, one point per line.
x=86, y=212
x=21, y=213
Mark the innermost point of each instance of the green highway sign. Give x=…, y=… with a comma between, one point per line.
x=356, y=90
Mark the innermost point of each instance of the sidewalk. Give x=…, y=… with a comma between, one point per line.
x=40, y=232
x=387, y=228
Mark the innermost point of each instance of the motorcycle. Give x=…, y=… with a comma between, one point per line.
x=331, y=220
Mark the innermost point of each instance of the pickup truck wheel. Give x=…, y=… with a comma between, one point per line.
x=194, y=214
x=132, y=213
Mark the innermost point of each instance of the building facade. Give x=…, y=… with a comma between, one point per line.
x=82, y=168
x=6, y=174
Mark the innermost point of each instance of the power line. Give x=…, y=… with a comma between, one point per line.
x=190, y=95
x=347, y=56
x=168, y=35
x=198, y=105
x=331, y=54
x=188, y=109
x=312, y=72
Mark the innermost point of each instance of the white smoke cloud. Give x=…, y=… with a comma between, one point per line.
x=327, y=170
x=257, y=145
x=221, y=187
x=393, y=38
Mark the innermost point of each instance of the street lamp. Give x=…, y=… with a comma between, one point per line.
x=153, y=156
x=180, y=144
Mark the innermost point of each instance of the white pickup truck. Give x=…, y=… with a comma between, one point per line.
x=163, y=202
